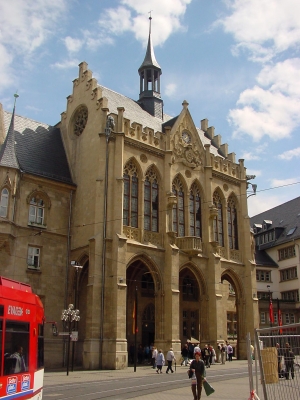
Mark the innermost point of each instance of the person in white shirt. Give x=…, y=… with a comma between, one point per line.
x=170, y=358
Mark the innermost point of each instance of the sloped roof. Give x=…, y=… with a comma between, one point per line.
x=133, y=110
x=263, y=259
x=149, y=60
x=286, y=216
x=39, y=148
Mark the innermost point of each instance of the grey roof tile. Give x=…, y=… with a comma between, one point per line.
x=39, y=148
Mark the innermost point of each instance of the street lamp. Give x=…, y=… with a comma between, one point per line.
x=76, y=265
x=70, y=316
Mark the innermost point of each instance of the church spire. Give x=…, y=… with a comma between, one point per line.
x=8, y=157
x=150, y=71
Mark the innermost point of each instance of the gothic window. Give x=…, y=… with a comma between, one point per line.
x=4, y=203
x=218, y=220
x=232, y=224
x=178, y=209
x=195, y=212
x=189, y=289
x=151, y=202
x=130, y=201
x=36, y=211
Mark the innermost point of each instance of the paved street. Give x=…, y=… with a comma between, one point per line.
x=230, y=382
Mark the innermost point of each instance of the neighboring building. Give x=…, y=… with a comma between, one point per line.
x=151, y=206
x=277, y=240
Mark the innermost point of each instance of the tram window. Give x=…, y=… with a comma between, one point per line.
x=1, y=310
x=40, y=352
x=16, y=347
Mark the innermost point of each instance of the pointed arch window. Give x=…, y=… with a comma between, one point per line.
x=189, y=289
x=130, y=200
x=36, y=211
x=4, y=203
x=232, y=224
x=151, y=201
x=195, y=212
x=178, y=209
x=218, y=220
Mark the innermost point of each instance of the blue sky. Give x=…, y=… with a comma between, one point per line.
x=237, y=63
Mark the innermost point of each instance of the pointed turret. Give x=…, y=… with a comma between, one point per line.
x=150, y=72
x=8, y=157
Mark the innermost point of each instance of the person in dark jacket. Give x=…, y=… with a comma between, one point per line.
x=185, y=355
x=289, y=361
x=198, y=367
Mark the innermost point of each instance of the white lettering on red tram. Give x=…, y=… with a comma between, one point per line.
x=15, y=310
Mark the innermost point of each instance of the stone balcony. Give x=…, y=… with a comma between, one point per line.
x=191, y=245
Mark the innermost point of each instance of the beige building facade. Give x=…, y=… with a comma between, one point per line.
x=153, y=207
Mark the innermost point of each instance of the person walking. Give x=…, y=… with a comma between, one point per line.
x=229, y=352
x=223, y=353
x=289, y=361
x=154, y=355
x=197, y=366
x=160, y=361
x=170, y=358
x=185, y=353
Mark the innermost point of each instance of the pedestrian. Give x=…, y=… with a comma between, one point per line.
x=206, y=356
x=185, y=353
x=160, y=361
x=197, y=366
x=229, y=352
x=289, y=361
x=218, y=353
x=223, y=353
x=279, y=360
x=170, y=359
x=191, y=350
x=225, y=345
x=154, y=355
x=213, y=355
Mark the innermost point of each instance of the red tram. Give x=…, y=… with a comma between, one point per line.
x=22, y=341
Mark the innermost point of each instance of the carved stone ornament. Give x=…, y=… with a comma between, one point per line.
x=143, y=158
x=80, y=120
x=187, y=153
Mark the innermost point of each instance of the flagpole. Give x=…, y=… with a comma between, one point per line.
x=135, y=328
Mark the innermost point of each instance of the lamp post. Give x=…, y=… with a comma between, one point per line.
x=70, y=316
x=76, y=265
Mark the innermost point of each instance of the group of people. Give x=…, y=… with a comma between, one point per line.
x=209, y=355
x=158, y=360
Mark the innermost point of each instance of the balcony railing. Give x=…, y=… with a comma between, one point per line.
x=189, y=244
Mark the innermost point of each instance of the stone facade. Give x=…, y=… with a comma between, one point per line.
x=157, y=209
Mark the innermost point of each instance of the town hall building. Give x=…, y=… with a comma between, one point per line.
x=152, y=207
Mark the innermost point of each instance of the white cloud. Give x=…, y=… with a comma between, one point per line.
x=247, y=155
x=263, y=27
x=73, y=45
x=131, y=16
x=265, y=201
x=289, y=154
x=274, y=110
x=66, y=64
x=170, y=89
x=24, y=27
x=284, y=182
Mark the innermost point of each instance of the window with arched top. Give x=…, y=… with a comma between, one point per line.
x=147, y=285
x=151, y=201
x=189, y=289
x=130, y=200
x=36, y=210
x=195, y=211
x=218, y=220
x=232, y=223
x=4, y=203
x=178, y=208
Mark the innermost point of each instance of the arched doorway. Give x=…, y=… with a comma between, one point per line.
x=141, y=284
x=190, y=327
x=232, y=296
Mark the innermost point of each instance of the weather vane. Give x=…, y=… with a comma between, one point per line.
x=150, y=18
x=16, y=96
